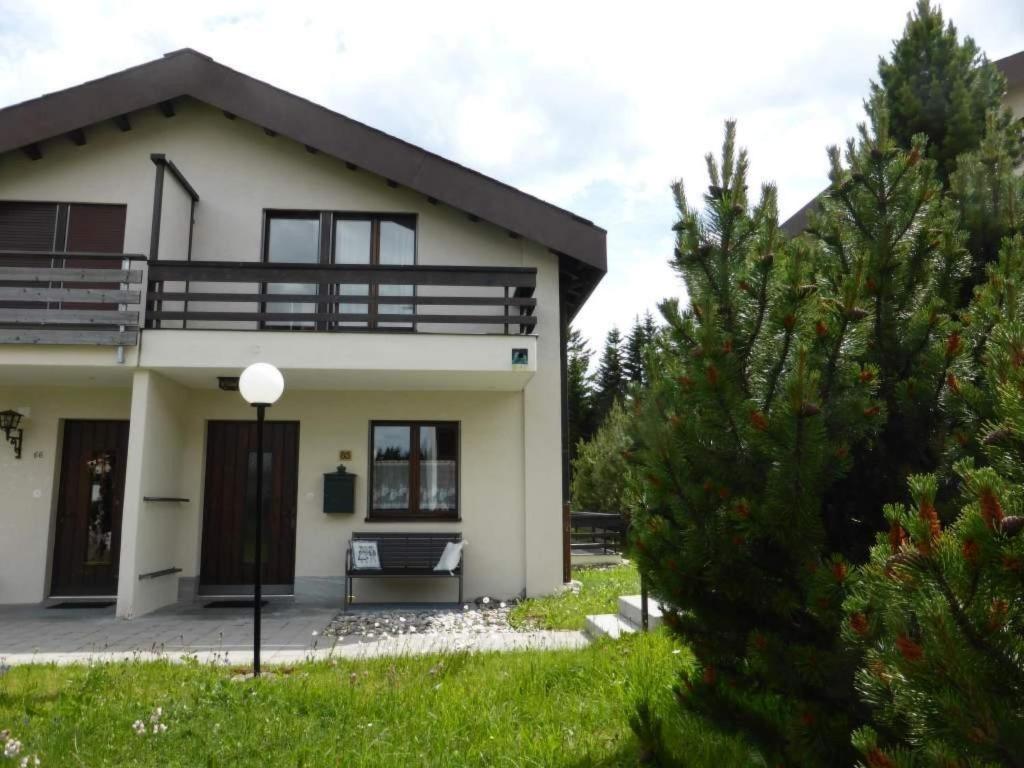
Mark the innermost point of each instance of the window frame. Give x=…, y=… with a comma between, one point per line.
x=326, y=243
x=413, y=514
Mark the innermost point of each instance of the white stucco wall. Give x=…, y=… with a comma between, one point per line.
x=490, y=483
x=149, y=530
x=28, y=487
x=1015, y=100
x=511, y=440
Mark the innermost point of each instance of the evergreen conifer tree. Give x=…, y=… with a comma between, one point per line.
x=886, y=232
x=989, y=197
x=579, y=390
x=787, y=368
x=610, y=383
x=934, y=83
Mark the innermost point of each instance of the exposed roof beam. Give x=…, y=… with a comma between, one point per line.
x=159, y=159
x=77, y=137
x=33, y=151
x=167, y=108
x=311, y=150
x=269, y=132
x=122, y=122
x=229, y=115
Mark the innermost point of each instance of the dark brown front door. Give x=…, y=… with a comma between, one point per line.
x=229, y=507
x=87, y=541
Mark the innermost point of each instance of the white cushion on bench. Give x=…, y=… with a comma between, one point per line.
x=451, y=557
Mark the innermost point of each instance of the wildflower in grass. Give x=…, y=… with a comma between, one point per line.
x=30, y=760
x=486, y=601
x=12, y=748
x=139, y=727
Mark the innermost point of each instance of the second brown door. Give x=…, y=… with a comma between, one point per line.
x=227, y=564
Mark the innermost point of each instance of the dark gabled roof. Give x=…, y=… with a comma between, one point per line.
x=188, y=73
x=1012, y=68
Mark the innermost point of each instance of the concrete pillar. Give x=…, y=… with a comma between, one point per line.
x=542, y=438
x=149, y=529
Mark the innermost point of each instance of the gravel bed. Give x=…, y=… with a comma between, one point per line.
x=474, y=618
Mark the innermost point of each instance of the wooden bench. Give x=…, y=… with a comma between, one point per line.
x=402, y=556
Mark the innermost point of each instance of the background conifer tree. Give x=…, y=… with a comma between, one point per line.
x=638, y=340
x=610, y=383
x=580, y=392
x=934, y=83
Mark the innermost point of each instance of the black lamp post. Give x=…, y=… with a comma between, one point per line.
x=261, y=384
x=9, y=421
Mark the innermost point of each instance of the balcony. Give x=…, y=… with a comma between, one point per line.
x=75, y=298
x=340, y=298
x=70, y=298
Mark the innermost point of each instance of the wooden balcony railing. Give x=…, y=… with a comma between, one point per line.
x=346, y=298
x=69, y=298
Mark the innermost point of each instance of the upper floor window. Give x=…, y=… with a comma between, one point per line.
x=309, y=237
x=62, y=227
x=58, y=229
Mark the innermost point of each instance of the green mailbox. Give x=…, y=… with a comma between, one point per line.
x=339, y=491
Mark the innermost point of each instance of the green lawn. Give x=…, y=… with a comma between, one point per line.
x=599, y=594
x=551, y=708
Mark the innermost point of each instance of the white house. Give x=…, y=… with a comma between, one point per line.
x=165, y=226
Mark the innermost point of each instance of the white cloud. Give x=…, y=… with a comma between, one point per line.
x=593, y=106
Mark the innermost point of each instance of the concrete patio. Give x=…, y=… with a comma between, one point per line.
x=291, y=632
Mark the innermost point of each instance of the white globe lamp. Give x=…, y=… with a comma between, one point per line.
x=261, y=384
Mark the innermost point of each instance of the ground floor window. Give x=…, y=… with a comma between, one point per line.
x=414, y=470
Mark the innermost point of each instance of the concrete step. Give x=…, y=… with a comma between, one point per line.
x=608, y=625
x=629, y=610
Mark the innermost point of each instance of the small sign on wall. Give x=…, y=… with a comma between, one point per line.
x=344, y=455
x=520, y=357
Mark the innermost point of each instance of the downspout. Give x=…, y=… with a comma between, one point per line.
x=563, y=332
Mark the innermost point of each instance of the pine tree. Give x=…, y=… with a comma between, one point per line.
x=888, y=235
x=788, y=366
x=938, y=609
x=939, y=86
x=579, y=391
x=989, y=197
x=610, y=381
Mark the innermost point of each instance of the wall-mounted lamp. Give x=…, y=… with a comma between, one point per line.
x=9, y=421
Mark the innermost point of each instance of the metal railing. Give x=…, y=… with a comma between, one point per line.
x=340, y=297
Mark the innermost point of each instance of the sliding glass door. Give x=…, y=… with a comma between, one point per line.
x=292, y=238
x=365, y=239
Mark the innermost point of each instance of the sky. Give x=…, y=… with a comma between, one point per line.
x=595, y=107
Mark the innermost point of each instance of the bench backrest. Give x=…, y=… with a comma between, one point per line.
x=409, y=551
